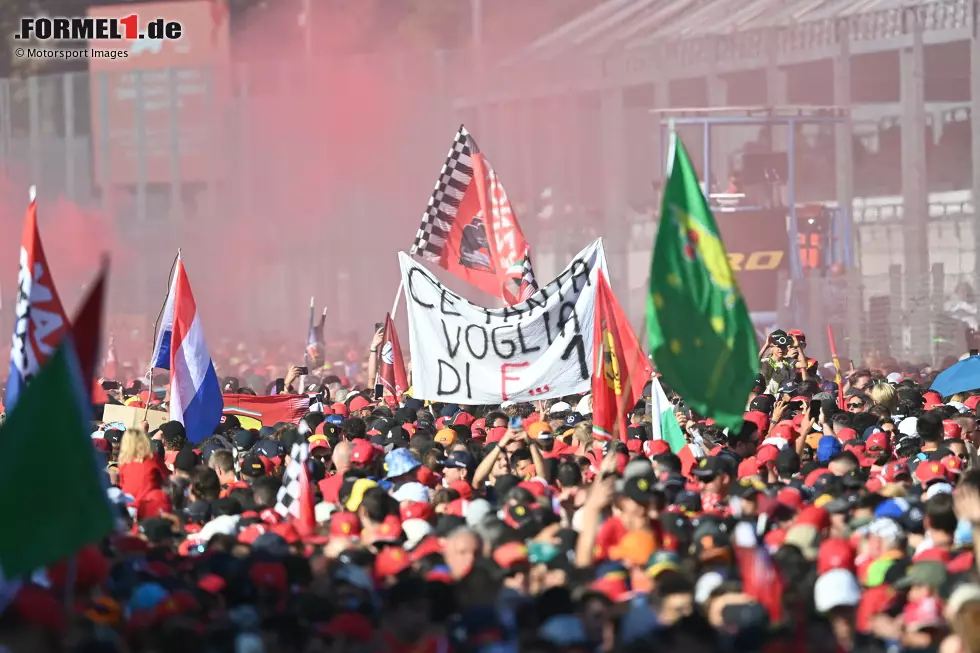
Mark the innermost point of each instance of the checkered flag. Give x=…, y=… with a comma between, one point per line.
x=528, y=284
x=454, y=179
x=295, y=479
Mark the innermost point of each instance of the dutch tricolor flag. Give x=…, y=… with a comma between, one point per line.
x=195, y=395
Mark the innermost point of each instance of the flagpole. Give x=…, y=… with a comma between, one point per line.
x=153, y=339
x=398, y=299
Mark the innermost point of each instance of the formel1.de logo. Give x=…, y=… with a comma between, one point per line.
x=124, y=28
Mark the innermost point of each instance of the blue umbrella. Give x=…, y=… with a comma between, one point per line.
x=963, y=376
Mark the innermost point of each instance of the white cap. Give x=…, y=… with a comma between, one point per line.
x=323, y=510
x=838, y=588
x=937, y=488
x=221, y=525
x=894, y=377
x=960, y=406
x=415, y=531
x=584, y=406
x=413, y=491
x=909, y=426
x=560, y=407
x=707, y=584
x=476, y=511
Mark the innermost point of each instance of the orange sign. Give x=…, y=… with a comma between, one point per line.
x=162, y=100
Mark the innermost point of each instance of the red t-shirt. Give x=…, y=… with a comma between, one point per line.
x=330, y=488
x=135, y=479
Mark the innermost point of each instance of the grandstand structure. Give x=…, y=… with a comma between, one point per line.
x=907, y=73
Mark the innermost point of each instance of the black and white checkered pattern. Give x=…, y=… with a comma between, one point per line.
x=287, y=501
x=455, y=178
x=529, y=285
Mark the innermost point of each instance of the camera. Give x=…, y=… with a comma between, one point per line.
x=779, y=338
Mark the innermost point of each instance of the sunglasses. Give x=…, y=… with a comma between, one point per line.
x=855, y=404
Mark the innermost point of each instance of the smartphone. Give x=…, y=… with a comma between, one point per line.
x=795, y=405
x=378, y=326
x=280, y=385
x=379, y=391
x=515, y=423
x=815, y=410
x=110, y=385
x=303, y=370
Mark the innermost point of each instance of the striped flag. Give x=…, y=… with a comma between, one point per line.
x=529, y=285
x=195, y=395
x=40, y=319
x=295, y=498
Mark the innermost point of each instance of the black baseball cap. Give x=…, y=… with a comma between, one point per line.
x=186, y=459
x=252, y=467
x=713, y=466
x=460, y=460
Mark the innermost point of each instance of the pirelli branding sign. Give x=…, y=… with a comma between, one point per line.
x=758, y=251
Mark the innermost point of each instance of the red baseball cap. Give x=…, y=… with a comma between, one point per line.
x=416, y=510
x=847, y=434
x=816, y=517
x=953, y=464
x=784, y=430
x=767, y=454
x=972, y=401
x=760, y=419
x=464, y=489
x=496, y=434
x=878, y=443
x=653, y=448
x=363, y=452
x=835, y=554
x=931, y=470
x=892, y=472
x=340, y=409
x=391, y=561
x=952, y=430
x=790, y=497
x=345, y=524
x=358, y=403
x=390, y=529
x=748, y=467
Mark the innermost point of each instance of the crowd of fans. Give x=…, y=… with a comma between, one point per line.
x=815, y=527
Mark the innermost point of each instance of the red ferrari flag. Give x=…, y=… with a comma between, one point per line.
x=469, y=227
x=620, y=369
x=391, y=370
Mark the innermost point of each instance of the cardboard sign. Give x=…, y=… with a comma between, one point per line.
x=468, y=354
x=132, y=417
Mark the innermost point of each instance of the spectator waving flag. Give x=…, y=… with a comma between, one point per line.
x=665, y=426
x=699, y=330
x=529, y=285
x=391, y=368
x=620, y=369
x=295, y=498
x=195, y=395
x=469, y=227
x=313, y=356
x=160, y=359
x=40, y=319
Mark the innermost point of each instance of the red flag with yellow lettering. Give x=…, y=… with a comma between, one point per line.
x=620, y=369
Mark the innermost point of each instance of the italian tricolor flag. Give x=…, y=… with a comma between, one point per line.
x=666, y=427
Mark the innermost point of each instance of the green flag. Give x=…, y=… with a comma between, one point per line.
x=52, y=497
x=699, y=329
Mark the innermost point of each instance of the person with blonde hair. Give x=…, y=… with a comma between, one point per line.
x=883, y=394
x=139, y=470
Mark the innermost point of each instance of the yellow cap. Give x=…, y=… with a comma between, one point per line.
x=361, y=486
x=446, y=437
